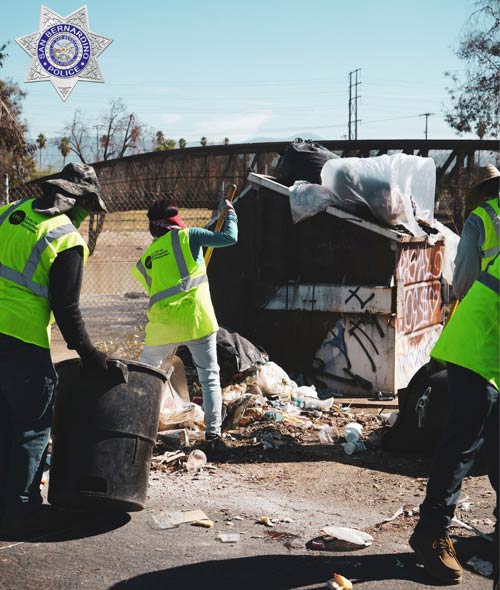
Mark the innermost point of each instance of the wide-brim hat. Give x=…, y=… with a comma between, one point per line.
x=489, y=175
x=79, y=180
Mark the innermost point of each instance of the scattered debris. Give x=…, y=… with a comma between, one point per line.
x=174, y=438
x=339, y=582
x=208, y=524
x=481, y=566
x=196, y=460
x=170, y=520
x=265, y=520
x=228, y=537
x=348, y=535
x=455, y=521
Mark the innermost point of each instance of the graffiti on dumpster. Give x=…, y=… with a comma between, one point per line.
x=420, y=264
x=422, y=306
x=354, y=293
x=333, y=356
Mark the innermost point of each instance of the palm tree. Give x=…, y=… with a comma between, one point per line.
x=41, y=142
x=182, y=143
x=160, y=138
x=64, y=148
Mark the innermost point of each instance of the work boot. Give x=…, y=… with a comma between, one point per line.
x=437, y=555
x=215, y=448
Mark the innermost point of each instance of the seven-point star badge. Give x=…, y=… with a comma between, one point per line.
x=64, y=51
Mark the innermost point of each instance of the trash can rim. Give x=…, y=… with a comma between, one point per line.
x=128, y=362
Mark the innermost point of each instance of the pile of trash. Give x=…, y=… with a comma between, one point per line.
x=265, y=411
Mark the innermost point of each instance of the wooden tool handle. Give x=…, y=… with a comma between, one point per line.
x=220, y=222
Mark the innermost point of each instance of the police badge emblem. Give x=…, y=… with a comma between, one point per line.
x=64, y=51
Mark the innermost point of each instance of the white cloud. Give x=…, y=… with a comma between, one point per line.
x=237, y=127
x=169, y=118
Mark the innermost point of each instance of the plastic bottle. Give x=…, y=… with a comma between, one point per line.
x=352, y=432
x=196, y=460
x=350, y=448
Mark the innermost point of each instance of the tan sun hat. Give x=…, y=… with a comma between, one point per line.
x=479, y=192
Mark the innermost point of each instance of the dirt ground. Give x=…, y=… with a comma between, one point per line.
x=303, y=486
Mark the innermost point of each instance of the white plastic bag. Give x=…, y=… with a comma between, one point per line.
x=176, y=413
x=272, y=380
x=308, y=199
x=390, y=187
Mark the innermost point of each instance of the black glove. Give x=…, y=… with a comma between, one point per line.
x=94, y=363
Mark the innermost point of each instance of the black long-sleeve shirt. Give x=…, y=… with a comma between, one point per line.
x=65, y=283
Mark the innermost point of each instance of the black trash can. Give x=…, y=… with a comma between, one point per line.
x=103, y=434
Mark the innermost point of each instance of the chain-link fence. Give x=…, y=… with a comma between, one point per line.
x=111, y=298
x=113, y=302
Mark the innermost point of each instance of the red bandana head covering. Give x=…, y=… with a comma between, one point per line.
x=174, y=222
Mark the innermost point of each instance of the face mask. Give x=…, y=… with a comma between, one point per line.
x=77, y=215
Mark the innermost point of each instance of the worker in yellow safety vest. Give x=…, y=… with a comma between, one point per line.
x=480, y=237
x=172, y=271
x=41, y=262
x=470, y=347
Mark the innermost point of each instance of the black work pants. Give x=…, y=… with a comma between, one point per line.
x=471, y=424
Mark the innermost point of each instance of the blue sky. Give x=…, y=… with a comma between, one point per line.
x=266, y=68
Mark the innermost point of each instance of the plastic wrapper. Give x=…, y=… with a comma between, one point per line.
x=394, y=190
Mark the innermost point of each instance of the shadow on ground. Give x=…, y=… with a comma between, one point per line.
x=55, y=526
x=279, y=572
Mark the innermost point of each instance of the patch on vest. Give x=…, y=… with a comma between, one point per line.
x=17, y=217
x=148, y=263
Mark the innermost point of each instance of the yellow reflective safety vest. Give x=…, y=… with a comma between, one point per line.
x=489, y=213
x=471, y=338
x=180, y=307
x=29, y=244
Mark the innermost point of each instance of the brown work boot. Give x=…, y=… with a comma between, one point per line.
x=438, y=556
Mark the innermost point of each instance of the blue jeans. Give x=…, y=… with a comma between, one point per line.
x=27, y=383
x=472, y=422
x=204, y=353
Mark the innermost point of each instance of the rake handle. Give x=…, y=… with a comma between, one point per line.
x=220, y=223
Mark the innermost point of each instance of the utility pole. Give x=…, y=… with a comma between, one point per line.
x=426, y=115
x=353, y=104
x=97, y=127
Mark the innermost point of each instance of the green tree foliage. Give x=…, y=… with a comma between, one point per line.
x=226, y=140
x=475, y=94
x=182, y=143
x=168, y=144
x=16, y=158
x=159, y=138
x=64, y=147
x=203, y=141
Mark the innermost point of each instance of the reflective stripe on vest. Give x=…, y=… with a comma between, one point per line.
x=141, y=268
x=495, y=219
x=187, y=282
x=24, y=278
x=490, y=281
x=486, y=278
